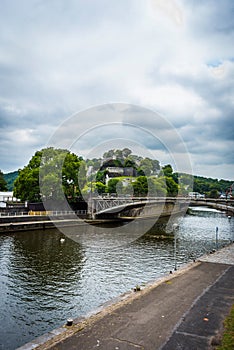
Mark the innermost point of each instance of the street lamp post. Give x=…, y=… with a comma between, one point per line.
x=175, y=226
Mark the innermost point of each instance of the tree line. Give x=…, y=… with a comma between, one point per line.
x=52, y=172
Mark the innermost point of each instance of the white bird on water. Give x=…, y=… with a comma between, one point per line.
x=62, y=240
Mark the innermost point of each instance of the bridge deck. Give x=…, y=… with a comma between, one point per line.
x=101, y=206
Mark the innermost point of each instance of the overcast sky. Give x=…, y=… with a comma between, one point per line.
x=173, y=57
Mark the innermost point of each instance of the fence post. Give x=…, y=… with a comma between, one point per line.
x=217, y=238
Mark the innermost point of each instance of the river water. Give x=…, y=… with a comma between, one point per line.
x=45, y=280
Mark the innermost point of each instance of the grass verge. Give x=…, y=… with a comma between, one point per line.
x=227, y=342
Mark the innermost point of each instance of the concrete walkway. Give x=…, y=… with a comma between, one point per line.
x=184, y=310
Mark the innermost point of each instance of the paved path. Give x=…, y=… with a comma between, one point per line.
x=183, y=311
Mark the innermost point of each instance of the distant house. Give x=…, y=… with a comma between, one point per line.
x=115, y=171
x=118, y=171
x=196, y=195
x=8, y=197
x=130, y=171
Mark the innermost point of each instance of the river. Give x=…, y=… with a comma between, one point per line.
x=45, y=280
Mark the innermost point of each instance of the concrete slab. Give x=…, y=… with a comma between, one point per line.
x=205, y=318
x=222, y=256
x=149, y=320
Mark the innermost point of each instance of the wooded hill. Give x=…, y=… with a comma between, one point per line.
x=10, y=178
x=117, y=171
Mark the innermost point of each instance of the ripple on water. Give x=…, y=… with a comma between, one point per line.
x=43, y=282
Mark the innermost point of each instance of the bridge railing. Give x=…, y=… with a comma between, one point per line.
x=223, y=201
x=100, y=204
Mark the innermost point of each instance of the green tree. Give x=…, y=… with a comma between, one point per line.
x=157, y=187
x=167, y=171
x=140, y=172
x=100, y=187
x=155, y=165
x=112, y=185
x=26, y=186
x=129, y=163
x=172, y=187
x=82, y=174
x=146, y=166
x=126, y=152
x=136, y=159
x=151, y=188
x=109, y=154
x=213, y=193
x=128, y=190
x=3, y=184
x=101, y=176
x=95, y=163
x=119, y=156
x=140, y=186
x=58, y=171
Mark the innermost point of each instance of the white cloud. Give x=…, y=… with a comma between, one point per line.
x=174, y=56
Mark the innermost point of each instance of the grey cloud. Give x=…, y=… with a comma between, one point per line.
x=214, y=15
x=60, y=57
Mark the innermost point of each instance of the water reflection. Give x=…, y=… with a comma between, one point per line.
x=45, y=281
x=37, y=270
x=111, y=236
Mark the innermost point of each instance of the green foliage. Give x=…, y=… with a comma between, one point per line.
x=213, y=193
x=101, y=176
x=172, y=187
x=100, y=187
x=146, y=166
x=113, y=185
x=10, y=178
x=58, y=170
x=126, y=152
x=135, y=159
x=3, y=183
x=155, y=165
x=112, y=163
x=200, y=184
x=206, y=185
x=64, y=172
x=167, y=171
x=128, y=190
x=155, y=187
x=26, y=186
x=159, y=187
x=109, y=154
x=82, y=172
x=129, y=163
x=95, y=163
x=140, y=172
x=140, y=186
x=125, y=158
x=118, y=154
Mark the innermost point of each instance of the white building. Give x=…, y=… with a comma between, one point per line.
x=8, y=197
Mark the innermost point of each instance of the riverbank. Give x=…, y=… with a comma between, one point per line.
x=32, y=223
x=183, y=310
x=39, y=222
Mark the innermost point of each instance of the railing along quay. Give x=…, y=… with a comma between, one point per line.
x=43, y=213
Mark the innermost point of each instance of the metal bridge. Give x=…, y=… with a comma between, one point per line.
x=119, y=206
